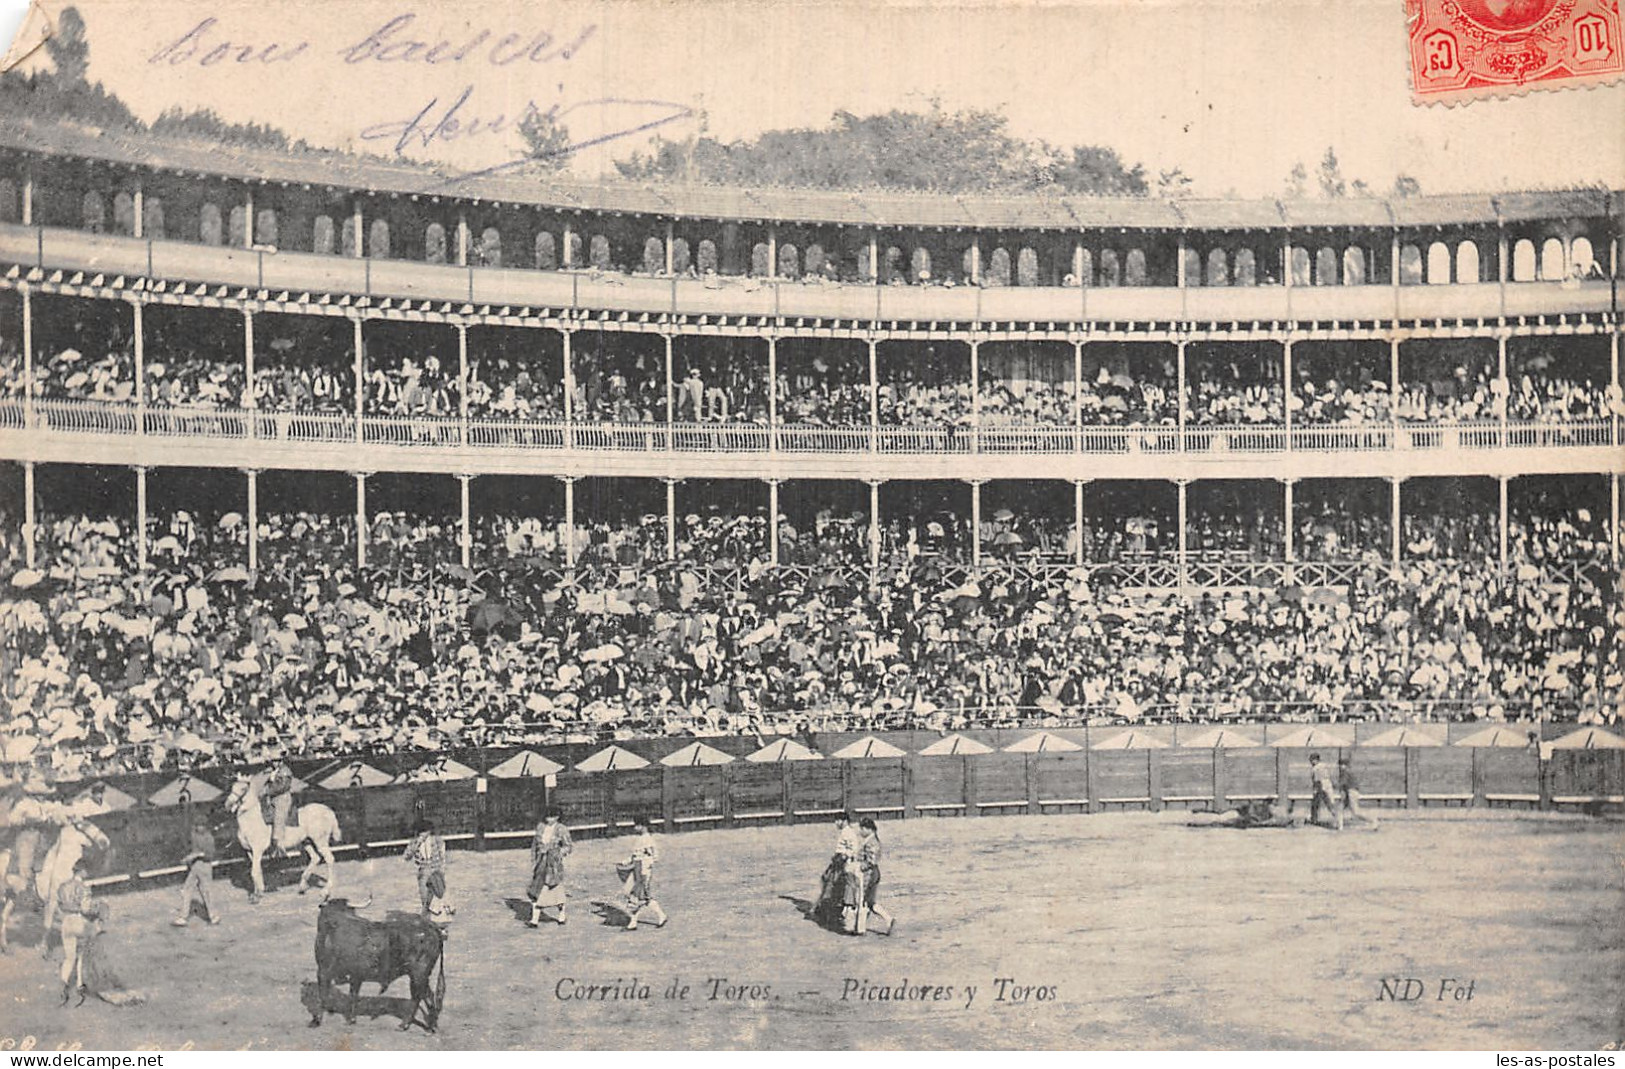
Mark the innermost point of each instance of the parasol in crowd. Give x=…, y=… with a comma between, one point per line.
x=232, y=574
x=490, y=614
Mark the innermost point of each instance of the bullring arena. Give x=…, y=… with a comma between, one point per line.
x=1063, y=520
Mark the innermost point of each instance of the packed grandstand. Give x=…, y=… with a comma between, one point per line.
x=377, y=513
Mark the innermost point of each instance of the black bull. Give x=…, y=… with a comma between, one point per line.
x=359, y=951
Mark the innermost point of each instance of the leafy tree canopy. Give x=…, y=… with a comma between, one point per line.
x=967, y=151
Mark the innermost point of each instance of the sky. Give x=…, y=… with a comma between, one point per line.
x=1234, y=93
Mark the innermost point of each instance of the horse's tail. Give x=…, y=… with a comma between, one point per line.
x=338, y=829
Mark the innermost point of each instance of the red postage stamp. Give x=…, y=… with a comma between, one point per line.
x=1461, y=49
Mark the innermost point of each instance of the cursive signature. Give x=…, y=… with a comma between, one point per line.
x=444, y=120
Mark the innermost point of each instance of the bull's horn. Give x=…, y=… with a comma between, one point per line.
x=364, y=905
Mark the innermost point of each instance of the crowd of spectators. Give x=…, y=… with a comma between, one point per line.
x=198, y=661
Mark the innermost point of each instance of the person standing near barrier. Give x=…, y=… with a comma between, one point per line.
x=1350, y=787
x=869, y=861
x=428, y=851
x=279, y=793
x=638, y=878
x=1320, y=782
x=199, y=862
x=73, y=902
x=547, y=853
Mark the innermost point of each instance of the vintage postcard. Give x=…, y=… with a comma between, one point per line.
x=739, y=525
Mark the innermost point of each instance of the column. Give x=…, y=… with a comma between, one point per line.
x=465, y=537
x=1286, y=389
x=248, y=220
x=462, y=392
x=31, y=518
x=874, y=396
x=360, y=519
x=1393, y=388
x=28, y=196
x=1502, y=482
x=1393, y=259
x=976, y=262
x=671, y=393
x=671, y=518
x=1182, y=396
x=28, y=355
x=1613, y=371
x=874, y=259
x=671, y=239
x=975, y=397
x=569, y=390
x=1184, y=531
x=1395, y=536
x=1613, y=519
x=138, y=327
x=1179, y=264
x=773, y=522
x=1506, y=383
x=1286, y=260
x=253, y=518
x=462, y=240
x=360, y=378
x=975, y=523
x=772, y=392
x=1287, y=523
x=772, y=252
x=249, y=401
x=1077, y=515
x=141, y=522
x=138, y=205
x=874, y=524
x=1077, y=392
x=360, y=233
x=1077, y=261
x=569, y=520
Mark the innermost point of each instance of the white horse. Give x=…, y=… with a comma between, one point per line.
x=315, y=828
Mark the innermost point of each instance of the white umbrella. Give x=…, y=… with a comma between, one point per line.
x=1043, y=742
x=696, y=753
x=783, y=750
x=1131, y=740
x=868, y=747
x=1589, y=739
x=955, y=746
x=1403, y=736
x=611, y=759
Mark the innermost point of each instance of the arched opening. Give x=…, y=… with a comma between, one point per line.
x=489, y=252
x=1134, y=273
x=1191, y=264
x=239, y=226
x=920, y=265
x=1410, y=265
x=10, y=207
x=547, y=256
x=208, y=224
x=434, y=244
x=1086, y=267
x=1246, y=268
x=998, y=267
x=378, y=239
x=789, y=261
x=967, y=264
x=349, y=234
x=265, y=227
x=706, y=260
x=1302, y=275
x=759, y=267
x=1438, y=264
x=1111, y=269
x=123, y=213
x=681, y=257
x=1523, y=261
x=1354, y=266
x=572, y=249
x=95, y=212
x=152, y=217
x=654, y=256
x=1584, y=258
x=1027, y=267
x=321, y=235
x=1218, y=268
x=598, y=253
x=1467, y=263
x=1326, y=266
x=1553, y=265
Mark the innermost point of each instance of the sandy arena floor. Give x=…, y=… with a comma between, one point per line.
x=1130, y=930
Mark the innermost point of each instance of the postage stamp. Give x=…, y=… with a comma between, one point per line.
x=1464, y=49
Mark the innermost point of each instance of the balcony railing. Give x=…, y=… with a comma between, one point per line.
x=113, y=255
x=126, y=420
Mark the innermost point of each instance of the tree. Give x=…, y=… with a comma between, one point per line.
x=547, y=141
x=1174, y=184
x=68, y=49
x=1297, y=182
x=1330, y=175
x=1406, y=186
